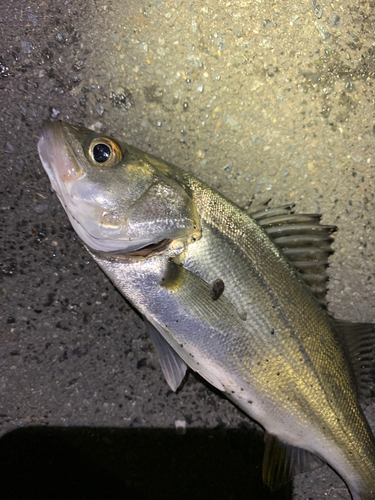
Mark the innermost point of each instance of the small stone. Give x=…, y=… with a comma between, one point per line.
x=232, y=121
x=349, y=85
x=318, y=11
x=322, y=30
x=194, y=61
x=8, y=148
x=97, y=127
x=54, y=113
x=180, y=426
x=228, y=166
x=153, y=93
x=266, y=24
x=311, y=167
x=40, y=208
x=4, y=71
x=122, y=98
x=293, y=19
x=334, y=19
x=27, y=47
x=59, y=38
x=32, y=17
x=256, y=139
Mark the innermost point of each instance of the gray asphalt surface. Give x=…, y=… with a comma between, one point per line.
x=259, y=99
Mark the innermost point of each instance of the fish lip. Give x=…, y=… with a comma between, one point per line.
x=53, y=148
x=58, y=160
x=45, y=146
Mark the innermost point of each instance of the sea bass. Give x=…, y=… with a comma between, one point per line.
x=239, y=297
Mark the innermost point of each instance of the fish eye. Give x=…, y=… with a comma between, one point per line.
x=104, y=152
x=101, y=153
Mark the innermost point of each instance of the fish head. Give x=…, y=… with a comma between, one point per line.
x=118, y=198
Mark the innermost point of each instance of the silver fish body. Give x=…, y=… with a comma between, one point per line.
x=221, y=297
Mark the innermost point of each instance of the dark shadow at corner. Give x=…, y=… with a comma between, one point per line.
x=133, y=464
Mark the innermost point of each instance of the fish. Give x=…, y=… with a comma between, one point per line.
x=238, y=296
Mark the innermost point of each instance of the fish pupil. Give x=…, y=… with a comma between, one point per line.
x=101, y=153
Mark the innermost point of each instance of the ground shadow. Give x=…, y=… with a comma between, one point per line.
x=133, y=464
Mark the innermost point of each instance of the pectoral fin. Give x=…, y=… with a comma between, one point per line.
x=174, y=368
x=172, y=363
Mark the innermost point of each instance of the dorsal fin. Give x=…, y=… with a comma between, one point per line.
x=304, y=241
x=359, y=342
x=283, y=461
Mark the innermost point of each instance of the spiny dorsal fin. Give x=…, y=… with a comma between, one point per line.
x=304, y=241
x=359, y=342
x=282, y=461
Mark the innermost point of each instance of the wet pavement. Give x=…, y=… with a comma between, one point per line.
x=260, y=100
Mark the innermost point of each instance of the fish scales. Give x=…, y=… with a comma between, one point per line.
x=289, y=298
x=261, y=336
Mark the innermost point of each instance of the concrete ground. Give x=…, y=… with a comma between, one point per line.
x=259, y=99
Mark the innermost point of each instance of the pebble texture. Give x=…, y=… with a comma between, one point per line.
x=259, y=99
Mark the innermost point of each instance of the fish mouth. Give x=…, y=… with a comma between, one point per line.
x=149, y=250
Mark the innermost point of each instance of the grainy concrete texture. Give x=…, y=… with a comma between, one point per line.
x=260, y=99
